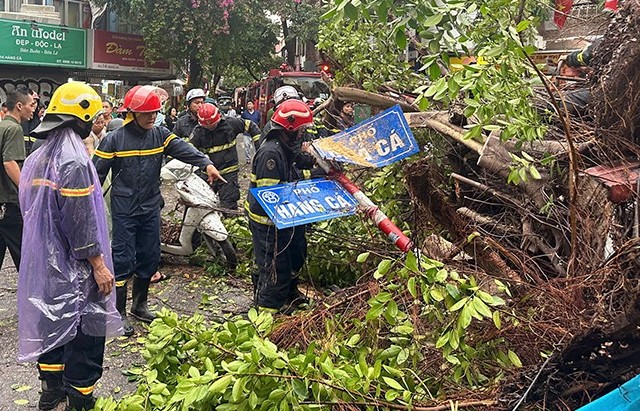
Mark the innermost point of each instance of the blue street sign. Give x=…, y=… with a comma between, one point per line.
x=303, y=202
x=376, y=142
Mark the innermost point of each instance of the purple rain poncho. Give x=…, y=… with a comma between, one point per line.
x=64, y=224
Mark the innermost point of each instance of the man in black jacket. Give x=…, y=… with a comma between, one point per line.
x=134, y=154
x=216, y=136
x=279, y=253
x=188, y=121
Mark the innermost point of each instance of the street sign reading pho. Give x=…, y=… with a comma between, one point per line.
x=376, y=142
x=303, y=202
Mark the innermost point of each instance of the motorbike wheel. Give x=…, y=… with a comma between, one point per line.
x=222, y=250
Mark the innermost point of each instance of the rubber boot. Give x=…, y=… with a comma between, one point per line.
x=52, y=393
x=139, y=307
x=121, y=306
x=296, y=297
x=80, y=402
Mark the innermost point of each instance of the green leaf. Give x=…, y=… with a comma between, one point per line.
x=392, y=383
x=441, y=275
x=459, y=304
x=411, y=262
x=221, y=384
x=515, y=360
x=382, y=12
x=362, y=257
x=383, y=268
x=436, y=294
x=535, y=174
x=401, y=39
x=496, y=319
x=391, y=395
x=351, y=11
x=374, y=312
x=523, y=25
x=526, y=156
x=353, y=340
x=194, y=372
x=237, y=390
x=481, y=307
x=442, y=340
x=253, y=400
x=411, y=286
x=434, y=71
x=300, y=389
x=433, y=20
x=465, y=317
x=21, y=401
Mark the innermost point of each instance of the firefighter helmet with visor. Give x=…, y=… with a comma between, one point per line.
x=292, y=115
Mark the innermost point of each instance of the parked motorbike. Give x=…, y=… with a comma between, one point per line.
x=201, y=219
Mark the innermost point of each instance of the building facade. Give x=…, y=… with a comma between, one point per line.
x=46, y=42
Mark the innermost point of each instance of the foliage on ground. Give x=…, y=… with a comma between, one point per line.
x=380, y=358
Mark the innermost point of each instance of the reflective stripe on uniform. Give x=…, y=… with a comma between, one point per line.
x=104, y=154
x=84, y=390
x=247, y=125
x=216, y=149
x=64, y=191
x=51, y=367
x=30, y=139
x=131, y=153
x=121, y=283
x=229, y=169
x=306, y=174
x=44, y=182
x=168, y=139
x=260, y=219
x=76, y=192
x=264, y=182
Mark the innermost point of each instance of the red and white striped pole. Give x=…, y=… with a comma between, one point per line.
x=372, y=211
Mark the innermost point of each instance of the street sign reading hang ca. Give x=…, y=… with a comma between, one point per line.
x=303, y=202
x=376, y=142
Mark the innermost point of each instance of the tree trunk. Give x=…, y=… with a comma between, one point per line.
x=289, y=43
x=195, y=74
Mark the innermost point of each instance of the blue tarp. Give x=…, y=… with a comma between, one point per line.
x=624, y=398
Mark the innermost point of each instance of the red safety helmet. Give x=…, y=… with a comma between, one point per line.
x=208, y=115
x=293, y=115
x=142, y=99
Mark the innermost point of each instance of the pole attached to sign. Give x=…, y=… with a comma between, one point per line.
x=372, y=211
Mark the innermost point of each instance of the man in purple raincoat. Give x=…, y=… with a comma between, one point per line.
x=66, y=307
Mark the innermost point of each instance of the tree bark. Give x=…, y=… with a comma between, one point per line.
x=373, y=99
x=289, y=43
x=195, y=74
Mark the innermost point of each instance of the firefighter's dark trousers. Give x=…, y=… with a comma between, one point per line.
x=136, y=245
x=229, y=192
x=78, y=364
x=278, y=255
x=10, y=232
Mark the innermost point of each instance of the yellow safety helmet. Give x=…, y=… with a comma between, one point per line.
x=76, y=99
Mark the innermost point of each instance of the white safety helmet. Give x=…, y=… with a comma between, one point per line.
x=195, y=93
x=285, y=93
